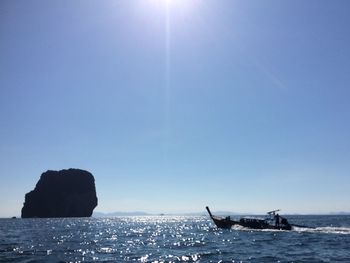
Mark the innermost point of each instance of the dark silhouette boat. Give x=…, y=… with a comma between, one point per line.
x=272, y=221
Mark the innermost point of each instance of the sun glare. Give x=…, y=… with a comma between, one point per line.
x=172, y=3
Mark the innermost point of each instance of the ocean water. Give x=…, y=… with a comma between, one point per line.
x=171, y=239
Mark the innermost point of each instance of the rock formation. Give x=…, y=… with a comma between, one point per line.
x=65, y=193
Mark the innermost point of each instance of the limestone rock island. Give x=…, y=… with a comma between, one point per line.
x=65, y=193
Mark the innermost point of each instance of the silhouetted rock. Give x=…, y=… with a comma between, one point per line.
x=65, y=193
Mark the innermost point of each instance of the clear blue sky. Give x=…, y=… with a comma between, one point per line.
x=240, y=105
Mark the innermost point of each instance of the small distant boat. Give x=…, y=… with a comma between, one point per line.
x=272, y=221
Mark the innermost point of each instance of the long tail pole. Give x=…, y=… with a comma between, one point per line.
x=209, y=211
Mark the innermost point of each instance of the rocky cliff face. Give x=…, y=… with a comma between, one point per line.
x=65, y=193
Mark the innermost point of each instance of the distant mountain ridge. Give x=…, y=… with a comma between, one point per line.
x=203, y=213
x=142, y=213
x=134, y=213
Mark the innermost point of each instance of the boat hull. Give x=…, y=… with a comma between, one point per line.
x=253, y=223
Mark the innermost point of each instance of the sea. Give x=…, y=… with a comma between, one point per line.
x=171, y=239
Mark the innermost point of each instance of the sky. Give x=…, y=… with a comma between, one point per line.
x=175, y=105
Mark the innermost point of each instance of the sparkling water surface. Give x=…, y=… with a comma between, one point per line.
x=171, y=239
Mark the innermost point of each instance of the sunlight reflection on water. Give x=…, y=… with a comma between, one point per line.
x=165, y=239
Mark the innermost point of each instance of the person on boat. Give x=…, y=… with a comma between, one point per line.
x=277, y=220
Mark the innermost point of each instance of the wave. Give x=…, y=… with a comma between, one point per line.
x=324, y=230
x=242, y=228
